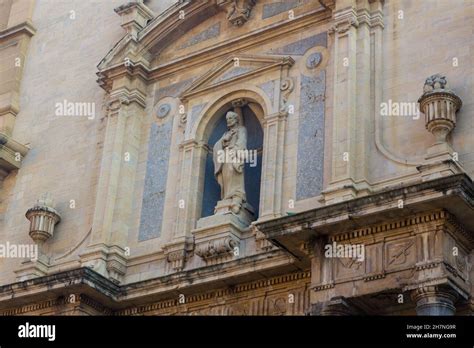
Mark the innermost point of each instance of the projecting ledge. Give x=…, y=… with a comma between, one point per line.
x=453, y=194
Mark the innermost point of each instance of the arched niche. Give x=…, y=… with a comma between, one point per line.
x=194, y=150
x=253, y=171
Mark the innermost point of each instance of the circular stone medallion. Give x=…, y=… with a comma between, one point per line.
x=163, y=110
x=313, y=60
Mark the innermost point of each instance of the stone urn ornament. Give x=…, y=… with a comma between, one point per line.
x=439, y=104
x=43, y=217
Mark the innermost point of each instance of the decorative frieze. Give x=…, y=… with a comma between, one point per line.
x=426, y=248
x=286, y=294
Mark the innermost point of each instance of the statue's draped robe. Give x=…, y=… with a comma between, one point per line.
x=230, y=175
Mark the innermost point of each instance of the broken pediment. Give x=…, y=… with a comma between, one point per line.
x=236, y=68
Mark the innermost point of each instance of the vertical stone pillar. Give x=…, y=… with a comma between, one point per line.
x=193, y=161
x=112, y=215
x=342, y=184
x=272, y=168
x=355, y=22
x=434, y=300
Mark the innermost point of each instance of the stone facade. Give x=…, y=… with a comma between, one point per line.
x=108, y=114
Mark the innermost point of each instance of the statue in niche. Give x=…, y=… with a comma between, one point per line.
x=228, y=157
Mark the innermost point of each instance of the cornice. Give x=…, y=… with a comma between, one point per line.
x=26, y=28
x=73, y=282
x=220, y=293
x=393, y=225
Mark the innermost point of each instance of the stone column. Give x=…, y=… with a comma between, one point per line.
x=435, y=300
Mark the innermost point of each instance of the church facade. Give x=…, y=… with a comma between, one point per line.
x=236, y=157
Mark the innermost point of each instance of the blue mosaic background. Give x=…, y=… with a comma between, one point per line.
x=309, y=180
x=155, y=181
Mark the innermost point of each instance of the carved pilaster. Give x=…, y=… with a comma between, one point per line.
x=192, y=159
x=114, y=201
x=356, y=79
x=272, y=168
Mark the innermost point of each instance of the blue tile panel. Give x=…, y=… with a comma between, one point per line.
x=309, y=178
x=155, y=181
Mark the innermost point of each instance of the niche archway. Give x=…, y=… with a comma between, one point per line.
x=253, y=171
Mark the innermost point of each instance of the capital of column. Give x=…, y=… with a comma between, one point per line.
x=435, y=300
x=344, y=20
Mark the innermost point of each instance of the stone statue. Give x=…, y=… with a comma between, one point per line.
x=228, y=156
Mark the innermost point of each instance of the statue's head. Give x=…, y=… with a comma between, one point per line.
x=232, y=119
